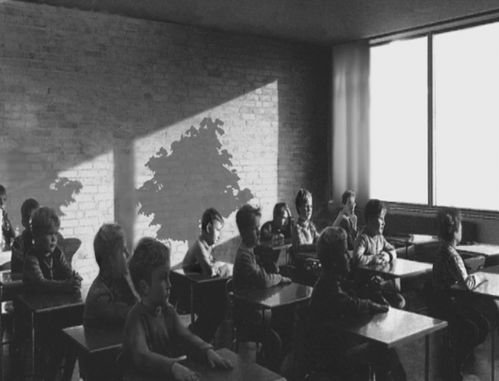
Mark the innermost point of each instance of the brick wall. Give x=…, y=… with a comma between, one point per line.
x=106, y=117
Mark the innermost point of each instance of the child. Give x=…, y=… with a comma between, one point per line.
x=199, y=257
x=330, y=349
x=371, y=247
x=153, y=330
x=249, y=273
x=279, y=229
x=45, y=267
x=210, y=303
x=111, y=294
x=304, y=231
x=24, y=242
x=346, y=218
x=468, y=324
x=8, y=233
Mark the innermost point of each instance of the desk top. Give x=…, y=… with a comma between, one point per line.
x=5, y=256
x=197, y=277
x=488, y=288
x=241, y=371
x=38, y=302
x=94, y=340
x=8, y=278
x=392, y=328
x=280, y=295
x=400, y=268
x=485, y=249
x=412, y=239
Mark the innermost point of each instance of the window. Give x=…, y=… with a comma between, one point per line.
x=463, y=130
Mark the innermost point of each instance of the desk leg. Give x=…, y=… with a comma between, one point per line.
x=192, y=303
x=492, y=353
x=427, y=358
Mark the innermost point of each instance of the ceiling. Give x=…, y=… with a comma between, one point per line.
x=318, y=21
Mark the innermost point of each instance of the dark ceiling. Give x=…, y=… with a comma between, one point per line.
x=320, y=21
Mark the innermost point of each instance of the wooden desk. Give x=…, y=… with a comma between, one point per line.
x=277, y=296
x=489, y=251
x=407, y=240
x=56, y=310
x=393, y=328
x=190, y=282
x=400, y=268
x=242, y=371
x=5, y=256
x=279, y=252
x=90, y=345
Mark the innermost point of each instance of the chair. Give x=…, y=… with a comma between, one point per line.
x=69, y=247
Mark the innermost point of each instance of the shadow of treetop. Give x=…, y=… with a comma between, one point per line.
x=195, y=175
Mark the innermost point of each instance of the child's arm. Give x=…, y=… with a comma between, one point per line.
x=353, y=306
x=361, y=256
x=33, y=276
x=257, y=275
x=204, y=260
x=389, y=249
x=105, y=309
x=459, y=273
x=63, y=266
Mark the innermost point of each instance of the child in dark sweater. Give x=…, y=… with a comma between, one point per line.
x=24, y=242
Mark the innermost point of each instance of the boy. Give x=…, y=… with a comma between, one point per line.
x=8, y=233
x=371, y=247
x=24, y=242
x=153, y=330
x=330, y=349
x=199, y=257
x=346, y=218
x=249, y=273
x=304, y=231
x=45, y=267
x=111, y=294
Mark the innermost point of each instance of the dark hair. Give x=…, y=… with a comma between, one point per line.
x=245, y=217
x=331, y=247
x=2, y=190
x=448, y=223
x=107, y=240
x=44, y=219
x=346, y=195
x=210, y=216
x=280, y=206
x=373, y=209
x=147, y=256
x=27, y=207
x=301, y=197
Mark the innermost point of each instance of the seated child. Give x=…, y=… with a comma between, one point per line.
x=111, y=294
x=304, y=231
x=279, y=229
x=467, y=318
x=210, y=301
x=154, y=333
x=45, y=267
x=371, y=247
x=199, y=257
x=23, y=243
x=346, y=218
x=331, y=350
x=8, y=233
x=249, y=273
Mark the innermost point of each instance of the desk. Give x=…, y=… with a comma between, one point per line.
x=90, y=344
x=277, y=296
x=393, y=328
x=278, y=253
x=43, y=311
x=407, y=240
x=192, y=281
x=5, y=256
x=489, y=251
x=242, y=371
x=400, y=268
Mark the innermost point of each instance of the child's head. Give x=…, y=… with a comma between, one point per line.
x=348, y=201
x=45, y=227
x=149, y=268
x=27, y=209
x=374, y=213
x=449, y=225
x=303, y=204
x=3, y=197
x=248, y=224
x=281, y=216
x=212, y=223
x=110, y=250
x=332, y=251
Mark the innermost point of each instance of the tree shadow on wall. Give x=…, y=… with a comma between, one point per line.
x=195, y=175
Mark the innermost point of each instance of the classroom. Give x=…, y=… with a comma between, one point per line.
x=243, y=134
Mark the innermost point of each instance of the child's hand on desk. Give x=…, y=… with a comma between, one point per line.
x=182, y=373
x=286, y=280
x=379, y=308
x=217, y=361
x=381, y=259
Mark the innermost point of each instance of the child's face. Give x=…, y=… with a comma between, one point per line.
x=376, y=225
x=3, y=200
x=282, y=219
x=158, y=291
x=48, y=242
x=213, y=232
x=350, y=205
x=251, y=236
x=305, y=209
